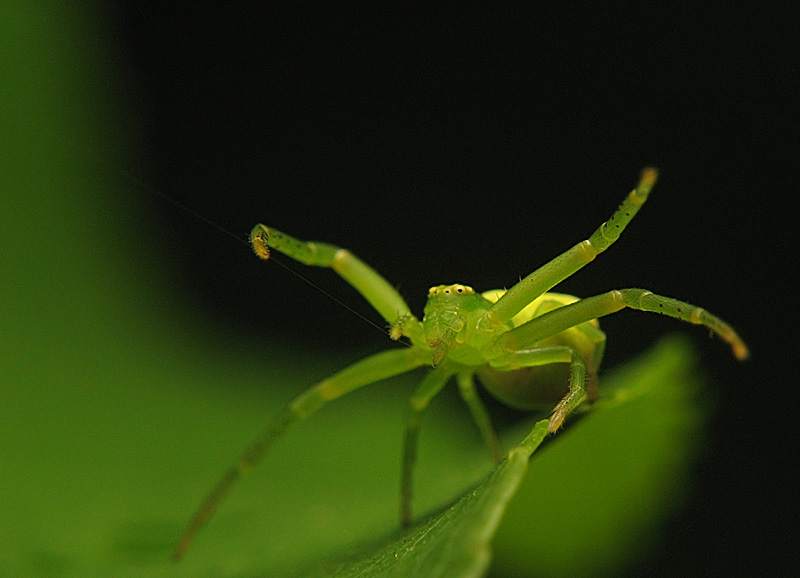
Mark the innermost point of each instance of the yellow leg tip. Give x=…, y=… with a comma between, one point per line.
x=259, y=245
x=648, y=178
x=740, y=350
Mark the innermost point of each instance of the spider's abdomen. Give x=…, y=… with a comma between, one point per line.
x=544, y=385
x=528, y=387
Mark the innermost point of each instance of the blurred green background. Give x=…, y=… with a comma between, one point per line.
x=142, y=348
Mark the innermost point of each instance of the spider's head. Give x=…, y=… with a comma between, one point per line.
x=447, y=314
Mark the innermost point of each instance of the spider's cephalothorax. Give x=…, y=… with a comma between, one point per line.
x=527, y=345
x=450, y=324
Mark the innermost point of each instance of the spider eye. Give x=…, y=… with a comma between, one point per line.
x=450, y=290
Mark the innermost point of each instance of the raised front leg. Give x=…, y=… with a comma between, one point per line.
x=375, y=289
x=551, y=274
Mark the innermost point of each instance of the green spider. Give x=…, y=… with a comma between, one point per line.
x=529, y=347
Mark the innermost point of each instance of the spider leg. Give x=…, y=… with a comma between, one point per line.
x=595, y=341
x=469, y=393
x=549, y=275
x=597, y=338
x=600, y=305
x=546, y=356
x=364, y=372
x=431, y=385
x=364, y=279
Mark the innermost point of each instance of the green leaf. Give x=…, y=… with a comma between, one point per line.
x=455, y=543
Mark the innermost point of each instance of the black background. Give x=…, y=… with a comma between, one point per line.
x=471, y=146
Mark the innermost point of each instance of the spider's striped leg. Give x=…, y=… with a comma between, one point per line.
x=600, y=305
x=558, y=269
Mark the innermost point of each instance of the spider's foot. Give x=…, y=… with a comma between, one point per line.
x=556, y=421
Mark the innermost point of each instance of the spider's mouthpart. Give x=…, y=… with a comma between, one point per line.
x=441, y=347
x=440, y=333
